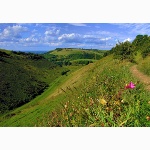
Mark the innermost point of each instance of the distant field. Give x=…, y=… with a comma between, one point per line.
x=74, y=56
x=66, y=52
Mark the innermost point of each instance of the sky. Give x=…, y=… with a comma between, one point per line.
x=48, y=36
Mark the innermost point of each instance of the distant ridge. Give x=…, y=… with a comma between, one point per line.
x=36, y=52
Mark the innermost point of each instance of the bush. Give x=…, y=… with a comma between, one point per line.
x=64, y=72
x=146, y=52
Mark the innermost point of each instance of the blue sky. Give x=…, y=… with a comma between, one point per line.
x=48, y=36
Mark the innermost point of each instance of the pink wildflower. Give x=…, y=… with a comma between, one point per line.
x=130, y=86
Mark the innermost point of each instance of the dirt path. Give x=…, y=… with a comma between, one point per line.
x=142, y=77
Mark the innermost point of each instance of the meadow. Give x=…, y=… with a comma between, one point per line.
x=102, y=100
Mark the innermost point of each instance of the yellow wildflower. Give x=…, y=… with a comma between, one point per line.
x=103, y=101
x=148, y=118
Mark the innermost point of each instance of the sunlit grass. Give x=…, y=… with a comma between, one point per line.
x=144, y=65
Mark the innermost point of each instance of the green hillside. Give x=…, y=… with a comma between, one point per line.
x=72, y=56
x=88, y=97
x=113, y=91
x=69, y=51
x=23, y=77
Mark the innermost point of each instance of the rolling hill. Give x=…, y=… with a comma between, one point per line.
x=73, y=56
x=23, y=77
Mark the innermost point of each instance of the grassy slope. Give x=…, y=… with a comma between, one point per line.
x=66, y=52
x=144, y=65
x=81, y=94
x=101, y=99
x=28, y=114
x=23, y=78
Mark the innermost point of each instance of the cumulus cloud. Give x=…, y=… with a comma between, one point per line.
x=79, y=38
x=95, y=39
x=58, y=35
x=72, y=37
x=12, y=33
x=52, y=32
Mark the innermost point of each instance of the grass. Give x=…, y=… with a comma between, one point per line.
x=144, y=66
x=66, y=52
x=93, y=60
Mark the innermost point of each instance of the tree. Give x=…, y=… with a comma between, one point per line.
x=123, y=51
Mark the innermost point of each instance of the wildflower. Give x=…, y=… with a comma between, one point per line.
x=103, y=101
x=122, y=101
x=107, y=108
x=148, y=118
x=130, y=86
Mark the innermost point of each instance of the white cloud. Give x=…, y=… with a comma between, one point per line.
x=54, y=43
x=52, y=32
x=69, y=37
x=48, y=32
x=106, y=39
x=29, y=40
x=12, y=32
x=56, y=35
x=128, y=39
x=88, y=36
x=78, y=38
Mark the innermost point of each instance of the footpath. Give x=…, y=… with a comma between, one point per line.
x=142, y=77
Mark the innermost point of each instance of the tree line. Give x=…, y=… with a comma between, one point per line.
x=128, y=50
